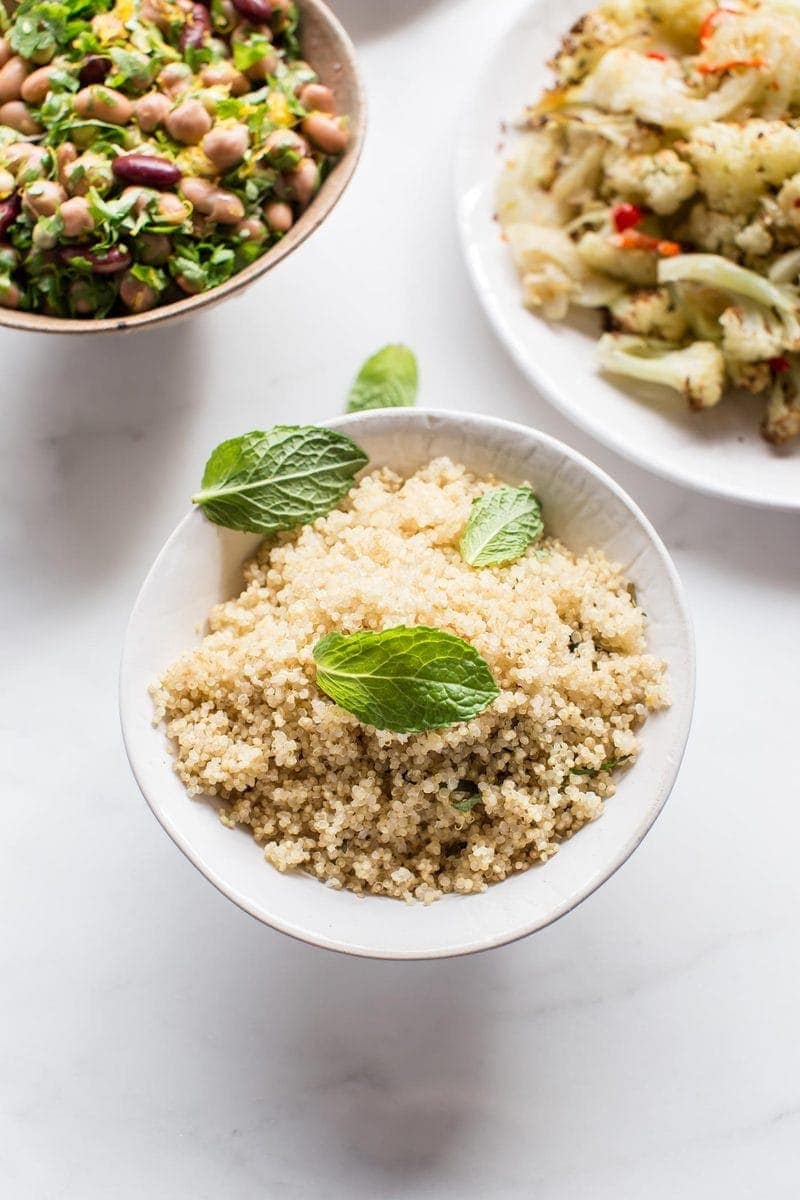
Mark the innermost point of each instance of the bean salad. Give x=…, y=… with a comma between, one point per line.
x=150, y=149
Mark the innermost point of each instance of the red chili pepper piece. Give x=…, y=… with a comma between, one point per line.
x=626, y=216
x=657, y=55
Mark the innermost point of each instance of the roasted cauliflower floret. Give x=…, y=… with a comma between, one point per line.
x=735, y=162
x=754, y=377
x=751, y=333
x=590, y=38
x=782, y=419
x=713, y=231
x=789, y=201
x=599, y=253
x=652, y=313
x=662, y=181
x=553, y=273
x=697, y=370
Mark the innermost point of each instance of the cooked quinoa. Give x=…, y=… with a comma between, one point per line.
x=374, y=811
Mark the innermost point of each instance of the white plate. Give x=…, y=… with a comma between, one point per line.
x=201, y=565
x=720, y=452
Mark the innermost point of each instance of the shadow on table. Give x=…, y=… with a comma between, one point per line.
x=366, y=19
x=97, y=429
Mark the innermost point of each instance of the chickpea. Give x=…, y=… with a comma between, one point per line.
x=36, y=85
x=251, y=230
x=190, y=286
x=103, y=103
x=76, y=216
x=17, y=115
x=285, y=148
x=226, y=145
x=89, y=170
x=264, y=66
x=213, y=202
x=154, y=248
x=279, y=216
x=171, y=209
x=139, y=196
x=136, y=295
x=224, y=74
x=303, y=181
x=10, y=295
x=151, y=111
x=11, y=79
x=65, y=155
x=5, y=51
x=175, y=79
x=43, y=198
x=26, y=161
x=326, y=132
x=317, y=98
x=7, y=183
x=188, y=123
x=227, y=209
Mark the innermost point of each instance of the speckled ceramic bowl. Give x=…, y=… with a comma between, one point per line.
x=201, y=565
x=328, y=48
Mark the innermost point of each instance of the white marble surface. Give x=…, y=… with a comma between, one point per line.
x=156, y=1042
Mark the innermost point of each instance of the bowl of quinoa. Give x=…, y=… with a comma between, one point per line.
x=432, y=843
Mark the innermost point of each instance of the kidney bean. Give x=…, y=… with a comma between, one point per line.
x=94, y=70
x=9, y=211
x=145, y=169
x=196, y=29
x=257, y=11
x=106, y=263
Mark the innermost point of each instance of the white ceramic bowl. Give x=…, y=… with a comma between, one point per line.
x=719, y=451
x=200, y=566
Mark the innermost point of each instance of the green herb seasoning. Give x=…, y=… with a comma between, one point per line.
x=501, y=526
x=406, y=679
x=389, y=379
x=264, y=482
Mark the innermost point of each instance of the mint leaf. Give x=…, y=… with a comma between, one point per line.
x=289, y=475
x=471, y=796
x=406, y=679
x=501, y=526
x=387, y=380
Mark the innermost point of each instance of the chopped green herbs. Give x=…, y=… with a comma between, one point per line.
x=501, y=526
x=389, y=379
x=263, y=482
x=470, y=795
x=406, y=679
x=608, y=766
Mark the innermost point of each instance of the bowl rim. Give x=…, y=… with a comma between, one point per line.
x=326, y=199
x=682, y=707
x=526, y=362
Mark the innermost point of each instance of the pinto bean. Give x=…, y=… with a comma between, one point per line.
x=149, y=170
x=136, y=295
x=226, y=145
x=17, y=115
x=103, y=103
x=12, y=76
x=36, y=85
x=77, y=217
x=326, y=132
x=279, y=216
x=188, y=123
x=154, y=248
x=303, y=181
x=27, y=162
x=171, y=209
x=89, y=170
x=317, y=98
x=251, y=230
